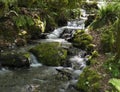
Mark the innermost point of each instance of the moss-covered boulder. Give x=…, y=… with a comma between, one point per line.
x=50, y=53
x=14, y=60
x=89, y=81
x=81, y=39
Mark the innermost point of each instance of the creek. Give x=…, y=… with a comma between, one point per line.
x=41, y=78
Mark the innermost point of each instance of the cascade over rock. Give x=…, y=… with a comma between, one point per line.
x=50, y=54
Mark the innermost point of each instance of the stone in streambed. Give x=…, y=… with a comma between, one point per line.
x=81, y=39
x=50, y=53
x=14, y=60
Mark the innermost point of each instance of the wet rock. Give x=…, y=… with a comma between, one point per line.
x=20, y=42
x=65, y=72
x=0, y=66
x=14, y=60
x=67, y=34
x=82, y=39
x=90, y=19
x=50, y=54
x=31, y=88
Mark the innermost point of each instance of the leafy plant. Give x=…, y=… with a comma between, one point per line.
x=23, y=21
x=107, y=39
x=106, y=15
x=113, y=66
x=116, y=83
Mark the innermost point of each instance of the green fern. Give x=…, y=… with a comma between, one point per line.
x=23, y=21
x=106, y=15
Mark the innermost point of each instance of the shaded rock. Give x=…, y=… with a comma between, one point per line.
x=50, y=54
x=90, y=19
x=65, y=72
x=20, y=42
x=14, y=60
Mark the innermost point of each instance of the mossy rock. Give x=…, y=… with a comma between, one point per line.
x=50, y=54
x=82, y=39
x=89, y=81
x=90, y=48
x=14, y=60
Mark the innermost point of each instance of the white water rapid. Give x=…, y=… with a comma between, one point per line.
x=71, y=25
x=34, y=61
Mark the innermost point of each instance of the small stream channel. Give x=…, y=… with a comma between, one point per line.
x=40, y=78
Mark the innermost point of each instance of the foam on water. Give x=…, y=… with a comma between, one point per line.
x=34, y=61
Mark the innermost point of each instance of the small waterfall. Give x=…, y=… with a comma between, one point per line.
x=34, y=61
x=56, y=33
x=78, y=64
x=71, y=25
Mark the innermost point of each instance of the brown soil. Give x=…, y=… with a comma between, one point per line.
x=100, y=60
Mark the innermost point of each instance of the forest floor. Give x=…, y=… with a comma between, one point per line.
x=100, y=61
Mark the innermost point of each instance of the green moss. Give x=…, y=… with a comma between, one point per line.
x=89, y=81
x=27, y=55
x=90, y=47
x=94, y=54
x=82, y=39
x=50, y=53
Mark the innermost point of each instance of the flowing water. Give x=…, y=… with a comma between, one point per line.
x=40, y=78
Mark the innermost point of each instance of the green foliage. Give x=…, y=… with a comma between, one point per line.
x=89, y=81
x=117, y=37
x=23, y=21
x=106, y=15
x=74, y=3
x=8, y=3
x=116, y=83
x=95, y=54
x=105, y=22
x=5, y=5
x=107, y=39
x=54, y=12
x=113, y=66
x=50, y=54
